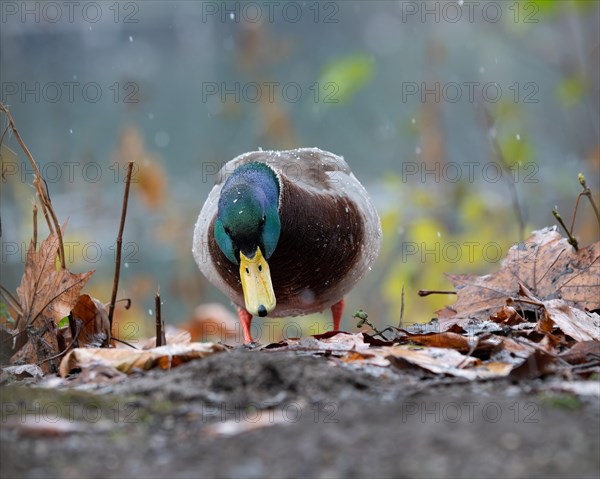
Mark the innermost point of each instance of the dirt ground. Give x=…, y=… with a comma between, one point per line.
x=255, y=414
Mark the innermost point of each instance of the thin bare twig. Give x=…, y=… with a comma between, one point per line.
x=509, y=301
x=35, y=226
x=127, y=302
x=570, y=238
x=161, y=340
x=11, y=122
x=527, y=342
x=73, y=328
x=44, y=209
x=575, y=212
x=124, y=342
x=382, y=336
x=401, y=308
x=41, y=191
x=427, y=292
x=3, y=134
x=113, y=298
x=48, y=203
x=587, y=192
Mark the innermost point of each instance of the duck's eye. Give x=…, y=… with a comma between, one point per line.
x=260, y=267
x=247, y=271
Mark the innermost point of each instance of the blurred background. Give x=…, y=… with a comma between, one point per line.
x=414, y=95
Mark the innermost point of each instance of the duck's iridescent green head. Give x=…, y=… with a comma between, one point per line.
x=247, y=230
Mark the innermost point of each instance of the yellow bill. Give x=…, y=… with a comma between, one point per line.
x=256, y=283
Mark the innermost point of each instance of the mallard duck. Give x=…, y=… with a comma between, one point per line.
x=286, y=233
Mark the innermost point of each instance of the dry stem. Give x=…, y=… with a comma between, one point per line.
x=570, y=238
x=427, y=292
x=35, y=226
x=41, y=191
x=586, y=192
x=73, y=328
x=401, y=308
x=161, y=340
x=113, y=298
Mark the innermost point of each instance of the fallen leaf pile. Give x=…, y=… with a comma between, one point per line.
x=545, y=298
x=537, y=315
x=545, y=264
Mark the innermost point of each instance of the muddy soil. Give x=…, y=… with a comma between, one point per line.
x=255, y=414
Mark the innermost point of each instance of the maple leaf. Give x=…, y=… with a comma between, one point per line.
x=46, y=291
x=46, y=295
x=545, y=263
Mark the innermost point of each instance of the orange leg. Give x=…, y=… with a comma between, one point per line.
x=245, y=319
x=336, y=310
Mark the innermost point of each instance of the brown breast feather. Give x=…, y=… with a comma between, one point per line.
x=320, y=241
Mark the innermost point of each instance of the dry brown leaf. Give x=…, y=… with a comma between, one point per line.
x=545, y=263
x=550, y=342
x=47, y=294
x=518, y=348
x=545, y=325
x=47, y=291
x=507, y=316
x=24, y=371
x=507, y=356
x=343, y=341
x=94, y=316
x=448, y=361
x=365, y=357
x=442, y=340
x=537, y=364
x=338, y=342
x=126, y=360
x=582, y=352
x=580, y=325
